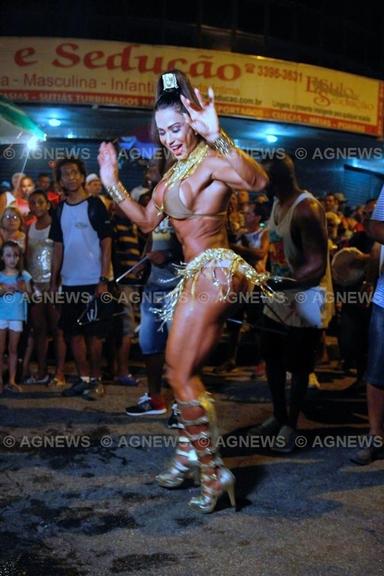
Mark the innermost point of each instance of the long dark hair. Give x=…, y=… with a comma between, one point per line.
x=170, y=98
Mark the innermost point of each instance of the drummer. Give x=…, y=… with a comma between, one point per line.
x=293, y=326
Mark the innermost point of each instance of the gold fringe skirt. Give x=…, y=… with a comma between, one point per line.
x=209, y=261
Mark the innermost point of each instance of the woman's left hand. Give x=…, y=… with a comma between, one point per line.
x=203, y=120
x=109, y=170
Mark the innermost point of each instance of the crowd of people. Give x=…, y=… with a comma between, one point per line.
x=206, y=227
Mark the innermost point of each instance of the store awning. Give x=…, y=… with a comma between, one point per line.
x=16, y=127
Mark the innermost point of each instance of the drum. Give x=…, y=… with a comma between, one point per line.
x=348, y=267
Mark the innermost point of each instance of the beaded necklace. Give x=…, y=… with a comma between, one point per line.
x=184, y=168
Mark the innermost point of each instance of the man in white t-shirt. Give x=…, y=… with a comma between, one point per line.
x=82, y=237
x=374, y=375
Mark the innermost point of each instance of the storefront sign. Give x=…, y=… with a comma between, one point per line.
x=74, y=71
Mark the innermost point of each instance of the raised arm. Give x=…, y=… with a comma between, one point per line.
x=233, y=166
x=148, y=217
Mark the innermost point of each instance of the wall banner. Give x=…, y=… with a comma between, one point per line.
x=76, y=71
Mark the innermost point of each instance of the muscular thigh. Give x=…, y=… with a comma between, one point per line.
x=198, y=322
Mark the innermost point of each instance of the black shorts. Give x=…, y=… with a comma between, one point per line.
x=75, y=303
x=295, y=347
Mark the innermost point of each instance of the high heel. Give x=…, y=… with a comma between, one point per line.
x=180, y=471
x=199, y=419
x=206, y=502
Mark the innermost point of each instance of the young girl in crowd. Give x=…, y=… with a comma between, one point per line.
x=14, y=285
x=11, y=227
x=44, y=314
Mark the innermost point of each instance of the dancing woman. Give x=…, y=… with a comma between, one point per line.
x=194, y=193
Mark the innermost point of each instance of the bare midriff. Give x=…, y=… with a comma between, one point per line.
x=198, y=234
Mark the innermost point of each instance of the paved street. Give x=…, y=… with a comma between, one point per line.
x=93, y=508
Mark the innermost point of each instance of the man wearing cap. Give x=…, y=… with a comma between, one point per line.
x=93, y=185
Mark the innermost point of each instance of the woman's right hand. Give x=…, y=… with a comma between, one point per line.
x=158, y=257
x=203, y=120
x=107, y=158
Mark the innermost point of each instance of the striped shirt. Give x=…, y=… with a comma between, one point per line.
x=126, y=250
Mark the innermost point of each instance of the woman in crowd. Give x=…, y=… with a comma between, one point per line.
x=44, y=314
x=11, y=227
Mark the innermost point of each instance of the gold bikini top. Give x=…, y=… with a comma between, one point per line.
x=172, y=204
x=174, y=207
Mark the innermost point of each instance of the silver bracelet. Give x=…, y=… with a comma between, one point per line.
x=223, y=143
x=118, y=193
